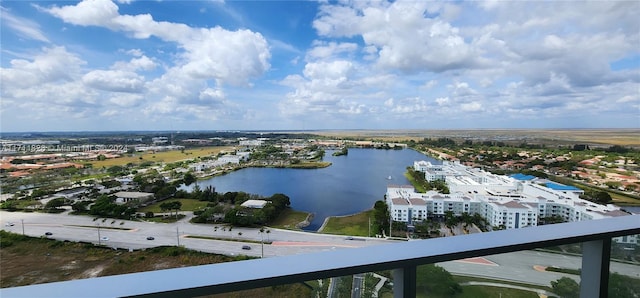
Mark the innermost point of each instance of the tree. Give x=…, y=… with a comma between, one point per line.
x=449, y=219
x=603, y=197
x=280, y=201
x=116, y=170
x=381, y=217
x=188, y=179
x=80, y=206
x=176, y=205
x=622, y=286
x=613, y=184
x=54, y=204
x=435, y=281
x=566, y=288
x=173, y=205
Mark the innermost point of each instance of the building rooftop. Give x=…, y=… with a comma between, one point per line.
x=556, y=186
x=522, y=177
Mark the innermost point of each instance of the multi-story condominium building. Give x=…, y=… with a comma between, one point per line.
x=251, y=143
x=505, y=201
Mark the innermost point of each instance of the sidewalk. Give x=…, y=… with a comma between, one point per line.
x=541, y=293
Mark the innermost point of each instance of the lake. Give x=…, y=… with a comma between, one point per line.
x=350, y=185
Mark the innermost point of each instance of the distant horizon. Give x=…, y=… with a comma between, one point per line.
x=320, y=130
x=327, y=129
x=123, y=65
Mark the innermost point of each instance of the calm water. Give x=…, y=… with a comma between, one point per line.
x=632, y=209
x=350, y=185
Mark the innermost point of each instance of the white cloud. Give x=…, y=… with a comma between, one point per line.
x=87, y=13
x=24, y=27
x=371, y=64
x=54, y=64
x=114, y=80
x=227, y=56
x=405, y=39
x=141, y=63
x=126, y=100
x=324, y=50
x=471, y=107
x=210, y=53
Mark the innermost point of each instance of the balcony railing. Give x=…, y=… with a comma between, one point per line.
x=402, y=258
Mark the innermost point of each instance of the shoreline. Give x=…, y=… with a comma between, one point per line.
x=328, y=218
x=308, y=166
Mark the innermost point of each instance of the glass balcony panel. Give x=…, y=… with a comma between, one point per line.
x=624, y=267
x=364, y=285
x=527, y=273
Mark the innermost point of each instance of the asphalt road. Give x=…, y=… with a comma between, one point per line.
x=357, y=285
x=517, y=266
x=132, y=234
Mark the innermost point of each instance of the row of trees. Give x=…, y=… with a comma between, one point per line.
x=421, y=182
x=171, y=206
x=227, y=207
x=105, y=206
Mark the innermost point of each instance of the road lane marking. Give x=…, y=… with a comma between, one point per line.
x=477, y=260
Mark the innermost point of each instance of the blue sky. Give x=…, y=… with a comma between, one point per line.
x=278, y=65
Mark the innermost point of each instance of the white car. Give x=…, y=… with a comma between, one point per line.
x=9, y=224
x=104, y=238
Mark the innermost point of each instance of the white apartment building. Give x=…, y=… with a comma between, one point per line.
x=502, y=200
x=234, y=158
x=251, y=143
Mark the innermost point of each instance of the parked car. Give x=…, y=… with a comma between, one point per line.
x=48, y=233
x=150, y=238
x=246, y=247
x=9, y=224
x=104, y=238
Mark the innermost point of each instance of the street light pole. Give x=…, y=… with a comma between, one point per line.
x=99, y=239
x=261, y=242
x=178, y=236
x=22, y=220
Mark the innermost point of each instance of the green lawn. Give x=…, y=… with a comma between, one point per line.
x=353, y=225
x=187, y=205
x=288, y=219
x=419, y=188
x=165, y=156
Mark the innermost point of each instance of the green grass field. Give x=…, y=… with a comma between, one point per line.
x=187, y=205
x=166, y=156
x=288, y=219
x=353, y=225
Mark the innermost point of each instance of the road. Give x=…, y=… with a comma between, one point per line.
x=133, y=235
x=357, y=285
x=517, y=266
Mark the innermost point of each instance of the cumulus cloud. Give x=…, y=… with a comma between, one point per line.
x=226, y=56
x=114, y=80
x=53, y=64
x=142, y=62
x=323, y=50
x=404, y=38
x=371, y=64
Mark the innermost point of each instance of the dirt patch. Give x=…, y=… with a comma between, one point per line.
x=93, y=272
x=28, y=261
